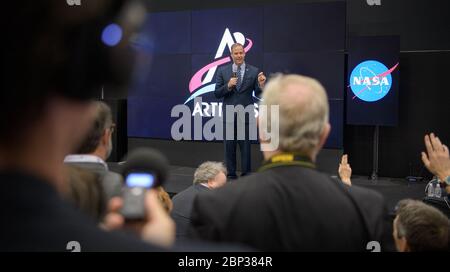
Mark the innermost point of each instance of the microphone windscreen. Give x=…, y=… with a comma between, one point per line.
x=147, y=160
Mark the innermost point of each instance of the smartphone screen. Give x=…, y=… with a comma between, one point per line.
x=145, y=180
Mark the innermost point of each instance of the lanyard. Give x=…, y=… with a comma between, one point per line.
x=284, y=159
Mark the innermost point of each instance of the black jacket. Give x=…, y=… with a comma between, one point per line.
x=290, y=208
x=182, y=206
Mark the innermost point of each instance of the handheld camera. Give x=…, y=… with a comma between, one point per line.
x=143, y=170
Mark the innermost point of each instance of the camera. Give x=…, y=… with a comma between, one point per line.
x=133, y=193
x=143, y=170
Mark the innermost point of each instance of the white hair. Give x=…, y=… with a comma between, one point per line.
x=208, y=170
x=301, y=118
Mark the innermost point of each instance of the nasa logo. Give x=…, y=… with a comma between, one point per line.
x=371, y=80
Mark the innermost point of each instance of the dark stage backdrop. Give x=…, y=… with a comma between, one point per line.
x=423, y=28
x=188, y=47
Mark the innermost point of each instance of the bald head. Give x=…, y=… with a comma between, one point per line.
x=303, y=113
x=296, y=96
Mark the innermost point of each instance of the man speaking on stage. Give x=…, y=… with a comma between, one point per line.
x=235, y=84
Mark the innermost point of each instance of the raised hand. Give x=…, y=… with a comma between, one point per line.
x=436, y=159
x=345, y=171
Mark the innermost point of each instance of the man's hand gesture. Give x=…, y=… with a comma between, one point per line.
x=261, y=80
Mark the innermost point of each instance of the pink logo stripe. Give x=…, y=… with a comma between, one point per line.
x=196, y=80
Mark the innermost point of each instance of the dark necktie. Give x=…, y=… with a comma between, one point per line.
x=239, y=79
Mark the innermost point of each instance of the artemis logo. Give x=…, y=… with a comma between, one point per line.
x=373, y=2
x=371, y=80
x=73, y=2
x=197, y=86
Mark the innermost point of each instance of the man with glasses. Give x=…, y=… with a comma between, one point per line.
x=96, y=148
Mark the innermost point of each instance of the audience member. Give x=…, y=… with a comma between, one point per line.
x=209, y=175
x=46, y=113
x=420, y=227
x=165, y=200
x=95, y=150
x=86, y=192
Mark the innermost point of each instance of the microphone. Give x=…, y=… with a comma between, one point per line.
x=234, y=74
x=144, y=168
x=147, y=160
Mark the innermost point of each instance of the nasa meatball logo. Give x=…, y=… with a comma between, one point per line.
x=371, y=80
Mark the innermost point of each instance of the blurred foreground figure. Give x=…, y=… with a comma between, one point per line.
x=55, y=63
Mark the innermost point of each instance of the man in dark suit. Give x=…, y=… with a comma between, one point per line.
x=235, y=84
x=209, y=175
x=288, y=205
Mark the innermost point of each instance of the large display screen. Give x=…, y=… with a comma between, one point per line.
x=373, y=76
x=180, y=52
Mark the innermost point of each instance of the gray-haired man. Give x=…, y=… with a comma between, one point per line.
x=209, y=175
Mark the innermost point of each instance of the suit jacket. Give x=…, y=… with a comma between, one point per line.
x=234, y=97
x=182, y=207
x=35, y=218
x=290, y=208
x=111, y=182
